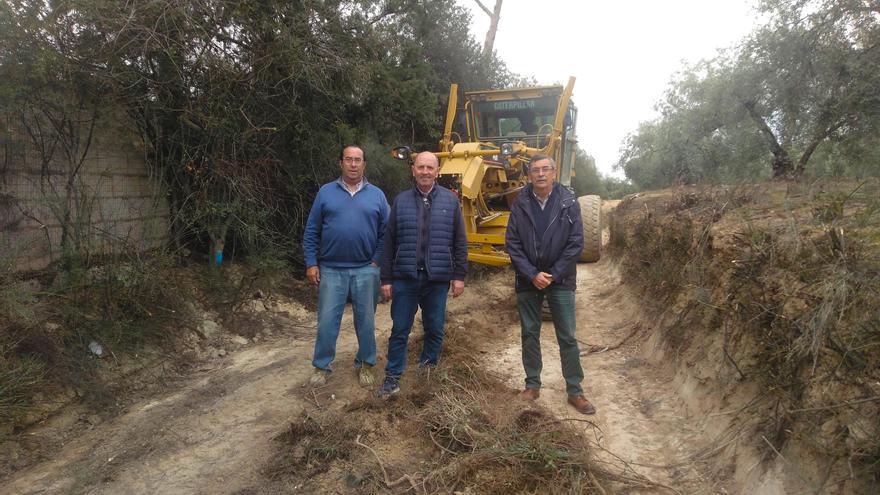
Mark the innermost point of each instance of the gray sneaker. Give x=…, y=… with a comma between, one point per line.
x=319, y=377
x=390, y=386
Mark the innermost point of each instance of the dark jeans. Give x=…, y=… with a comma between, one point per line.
x=406, y=297
x=561, y=301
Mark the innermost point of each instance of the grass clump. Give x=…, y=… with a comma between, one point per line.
x=123, y=303
x=19, y=380
x=21, y=376
x=455, y=429
x=229, y=287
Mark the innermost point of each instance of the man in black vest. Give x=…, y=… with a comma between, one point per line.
x=544, y=240
x=425, y=253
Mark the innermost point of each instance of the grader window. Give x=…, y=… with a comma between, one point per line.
x=508, y=125
x=523, y=119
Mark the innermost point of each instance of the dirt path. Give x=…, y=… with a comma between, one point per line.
x=641, y=425
x=212, y=434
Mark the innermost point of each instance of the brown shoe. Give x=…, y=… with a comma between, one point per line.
x=582, y=405
x=530, y=394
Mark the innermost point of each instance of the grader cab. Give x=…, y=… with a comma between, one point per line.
x=486, y=161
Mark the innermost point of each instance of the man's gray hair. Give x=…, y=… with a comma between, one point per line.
x=539, y=157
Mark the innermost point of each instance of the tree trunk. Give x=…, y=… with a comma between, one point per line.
x=781, y=164
x=218, y=240
x=494, y=16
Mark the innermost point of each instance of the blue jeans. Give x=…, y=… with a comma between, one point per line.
x=334, y=289
x=406, y=297
x=561, y=301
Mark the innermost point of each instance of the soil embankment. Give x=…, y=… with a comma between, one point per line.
x=764, y=308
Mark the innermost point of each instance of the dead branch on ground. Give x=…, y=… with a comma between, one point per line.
x=595, y=349
x=388, y=482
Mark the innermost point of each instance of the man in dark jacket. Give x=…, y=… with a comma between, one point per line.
x=544, y=240
x=425, y=252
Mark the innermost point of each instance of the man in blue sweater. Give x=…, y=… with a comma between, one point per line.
x=342, y=244
x=425, y=254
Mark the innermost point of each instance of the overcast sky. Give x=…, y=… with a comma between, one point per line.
x=623, y=54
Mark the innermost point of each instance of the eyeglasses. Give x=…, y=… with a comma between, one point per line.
x=541, y=170
x=352, y=159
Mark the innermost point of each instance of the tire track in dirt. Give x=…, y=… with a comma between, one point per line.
x=212, y=435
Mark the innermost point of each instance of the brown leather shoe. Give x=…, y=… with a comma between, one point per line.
x=582, y=405
x=530, y=394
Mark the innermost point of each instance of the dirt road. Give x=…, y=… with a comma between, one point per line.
x=641, y=425
x=213, y=434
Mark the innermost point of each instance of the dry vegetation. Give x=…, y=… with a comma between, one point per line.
x=783, y=279
x=75, y=334
x=49, y=325
x=456, y=429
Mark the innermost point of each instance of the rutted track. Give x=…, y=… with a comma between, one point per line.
x=213, y=434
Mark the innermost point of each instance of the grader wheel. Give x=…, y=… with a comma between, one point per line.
x=591, y=214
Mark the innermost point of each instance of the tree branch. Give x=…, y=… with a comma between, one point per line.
x=388, y=11
x=814, y=143
x=485, y=9
x=495, y=16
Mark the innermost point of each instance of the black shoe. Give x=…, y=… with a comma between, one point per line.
x=390, y=386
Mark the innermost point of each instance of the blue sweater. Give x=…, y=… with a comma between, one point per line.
x=345, y=231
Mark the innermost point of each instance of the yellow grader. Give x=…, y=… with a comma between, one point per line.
x=487, y=164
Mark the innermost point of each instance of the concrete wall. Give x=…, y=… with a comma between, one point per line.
x=114, y=203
